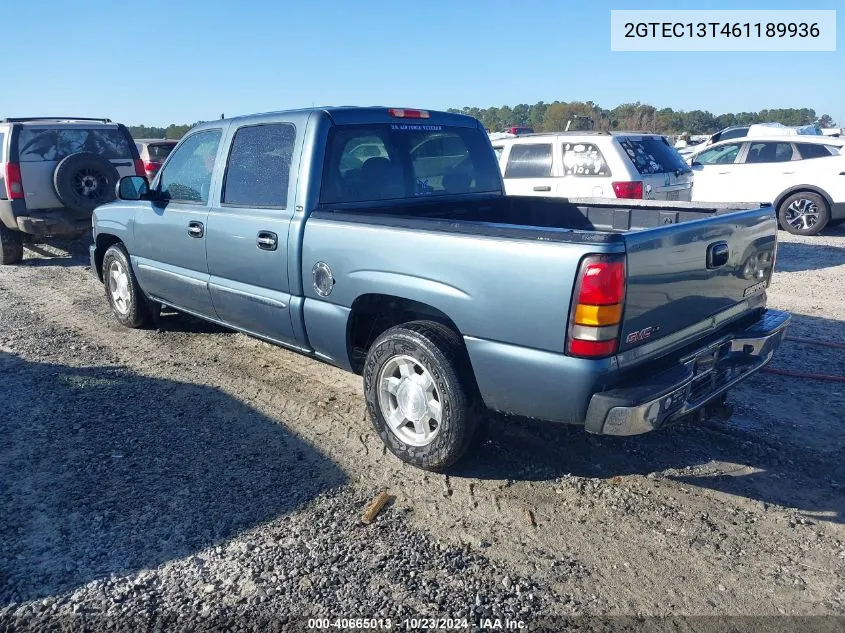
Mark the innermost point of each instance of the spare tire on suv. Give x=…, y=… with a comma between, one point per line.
x=84, y=181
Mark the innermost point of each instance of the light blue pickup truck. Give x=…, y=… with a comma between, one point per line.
x=380, y=240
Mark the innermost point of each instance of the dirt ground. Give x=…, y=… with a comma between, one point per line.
x=129, y=455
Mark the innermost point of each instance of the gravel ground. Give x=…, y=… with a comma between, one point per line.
x=188, y=473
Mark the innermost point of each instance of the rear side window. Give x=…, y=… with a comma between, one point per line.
x=187, y=176
x=653, y=155
x=406, y=160
x=583, y=159
x=813, y=150
x=769, y=153
x=161, y=151
x=529, y=161
x=259, y=166
x=36, y=145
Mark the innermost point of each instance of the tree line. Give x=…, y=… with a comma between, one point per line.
x=553, y=117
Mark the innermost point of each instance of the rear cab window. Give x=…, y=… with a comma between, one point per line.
x=54, y=144
x=652, y=155
x=584, y=159
x=406, y=160
x=529, y=160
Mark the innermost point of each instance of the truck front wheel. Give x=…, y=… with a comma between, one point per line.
x=420, y=394
x=125, y=296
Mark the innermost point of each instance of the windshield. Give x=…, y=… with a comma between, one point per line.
x=160, y=152
x=406, y=160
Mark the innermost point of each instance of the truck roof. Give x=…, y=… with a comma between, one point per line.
x=344, y=115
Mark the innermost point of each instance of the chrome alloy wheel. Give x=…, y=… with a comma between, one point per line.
x=409, y=400
x=802, y=214
x=119, y=287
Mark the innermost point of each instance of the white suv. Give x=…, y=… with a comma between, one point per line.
x=802, y=176
x=593, y=165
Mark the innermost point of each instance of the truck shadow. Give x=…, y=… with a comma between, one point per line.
x=783, y=445
x=797, y=256
x=108, y=472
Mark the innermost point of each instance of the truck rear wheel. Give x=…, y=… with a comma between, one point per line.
x=11, y=246
x=125, y=296
x=420, y=394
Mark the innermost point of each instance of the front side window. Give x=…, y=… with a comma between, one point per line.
x=529, y=160
x=187, y=175
x=37, y=145
x=769, y=153
x=258, y=171
x=406, y=160
x=722, y=155
x=583, y=159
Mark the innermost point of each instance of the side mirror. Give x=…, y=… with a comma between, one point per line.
x=133, y=188
x=695, y=163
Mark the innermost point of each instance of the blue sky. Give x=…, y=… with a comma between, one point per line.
x=177, y=62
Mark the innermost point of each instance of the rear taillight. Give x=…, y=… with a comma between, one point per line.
x=139, y=167
x=401, y=113
x=597, y=307
x=629, y=189
x=14, y=184
x=152, y=166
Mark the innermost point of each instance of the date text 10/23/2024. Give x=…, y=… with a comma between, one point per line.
x=416, y=624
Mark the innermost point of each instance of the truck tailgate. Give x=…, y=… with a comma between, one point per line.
x=682, y=275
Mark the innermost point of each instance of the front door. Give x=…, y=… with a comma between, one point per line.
x=169, y=256
x=715, y=174
x=248, y=233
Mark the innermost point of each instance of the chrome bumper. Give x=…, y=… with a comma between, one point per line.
x=694, y=382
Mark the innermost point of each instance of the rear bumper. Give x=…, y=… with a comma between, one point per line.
x=43, y=222
x=699, y=378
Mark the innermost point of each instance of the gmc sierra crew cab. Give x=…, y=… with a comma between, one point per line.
x=381, y=241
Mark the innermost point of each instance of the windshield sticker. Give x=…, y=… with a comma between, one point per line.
x=404, y=127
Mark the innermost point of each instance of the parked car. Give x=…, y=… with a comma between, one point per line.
x=414, y=269
x=153, y=152
x=516, y=130
x=593, y=164
x=53, y=172
x=762, y=129
x=802, y=176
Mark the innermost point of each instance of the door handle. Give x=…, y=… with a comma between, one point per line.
x=267, y=241
x=196, y=229
x=542, y=188
x=717, y=255
x=723, y=172
x=789, y=172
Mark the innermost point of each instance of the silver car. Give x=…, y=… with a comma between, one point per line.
x=54, y=171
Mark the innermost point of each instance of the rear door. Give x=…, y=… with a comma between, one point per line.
x=683, y=275
x=664, y=173
x=529, y=168
x=764, y=170
x=248, y=232
x=41, y=148
x=713, y=171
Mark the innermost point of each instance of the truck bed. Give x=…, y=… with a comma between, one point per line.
x=675, y=293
